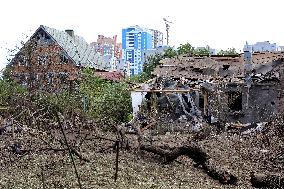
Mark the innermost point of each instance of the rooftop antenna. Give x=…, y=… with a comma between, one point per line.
x=167, y=23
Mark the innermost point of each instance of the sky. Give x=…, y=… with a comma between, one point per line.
x=221, y=24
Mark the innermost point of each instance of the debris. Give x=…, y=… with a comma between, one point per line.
x=267, y=181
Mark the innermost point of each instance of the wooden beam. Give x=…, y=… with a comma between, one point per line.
x=4, y=108
x=205, y=106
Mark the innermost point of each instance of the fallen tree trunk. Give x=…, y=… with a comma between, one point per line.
x=193, y=151
x=267, y=181
x=199, y=156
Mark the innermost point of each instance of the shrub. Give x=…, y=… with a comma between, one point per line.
x=108, y=102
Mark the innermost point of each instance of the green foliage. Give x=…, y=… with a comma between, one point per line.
x=190, y=50
x=66, y=102
x=169, y=53
x=229, y=51
x=9, y=89
x=7, y=73
x=153, y=62
x=185, y=49
x=106, y=101
x=142, y=77
x=201, y=52
x=102, y=100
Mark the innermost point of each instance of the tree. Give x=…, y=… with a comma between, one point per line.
x=202, y=52
x=151, y=63
x=229, y=51
x=185, y=49
x=169, y=53
x=154, y=60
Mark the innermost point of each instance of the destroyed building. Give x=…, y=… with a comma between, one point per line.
x=238, y=89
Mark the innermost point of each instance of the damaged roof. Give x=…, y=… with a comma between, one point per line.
x=76, y=48
x=215, y=67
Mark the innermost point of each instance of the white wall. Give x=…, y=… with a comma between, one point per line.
x=137, y=98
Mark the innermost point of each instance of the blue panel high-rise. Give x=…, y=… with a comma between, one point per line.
x=134, y=41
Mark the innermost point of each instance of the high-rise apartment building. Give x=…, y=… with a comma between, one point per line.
x=110, y=50
x=157, y=38
x=135, y=40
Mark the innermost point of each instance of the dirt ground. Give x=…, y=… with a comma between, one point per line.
x=42, y=168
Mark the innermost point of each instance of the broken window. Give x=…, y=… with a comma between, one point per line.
x=42, y=59
x=32, y=77
x=235, y=100
x=22, y=60
x=62, y=77
x=43, y=38
x=50, y=78
x=22, y=79
x=63, y=58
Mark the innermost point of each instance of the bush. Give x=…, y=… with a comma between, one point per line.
x=8, y=90
x=63, y=101
x=107, y=102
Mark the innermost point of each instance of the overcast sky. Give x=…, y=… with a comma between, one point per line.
x=218, y=23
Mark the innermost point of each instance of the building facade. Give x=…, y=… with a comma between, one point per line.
x=52, y=60
x=157, y=38
x=264, y=46
x=110, y=51
x=135, y=40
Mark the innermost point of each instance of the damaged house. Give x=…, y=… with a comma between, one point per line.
x=52, y=60
x=232, y=89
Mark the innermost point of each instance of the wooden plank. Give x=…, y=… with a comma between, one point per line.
x=4, y=108
x=205, y=106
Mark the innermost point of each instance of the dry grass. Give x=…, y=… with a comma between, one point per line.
x=137, y=169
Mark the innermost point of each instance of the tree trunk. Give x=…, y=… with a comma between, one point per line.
x=199, y=156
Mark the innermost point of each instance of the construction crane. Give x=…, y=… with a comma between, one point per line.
x=167, y=28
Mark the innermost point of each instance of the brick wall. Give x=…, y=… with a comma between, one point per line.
x=43, y=66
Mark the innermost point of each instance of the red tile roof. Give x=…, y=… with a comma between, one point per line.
x=113, y=76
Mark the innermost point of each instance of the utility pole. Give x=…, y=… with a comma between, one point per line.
x=167, y=23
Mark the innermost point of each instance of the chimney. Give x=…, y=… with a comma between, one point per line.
x=70, y=32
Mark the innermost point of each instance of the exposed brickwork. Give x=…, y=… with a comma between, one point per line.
x=44, y=66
